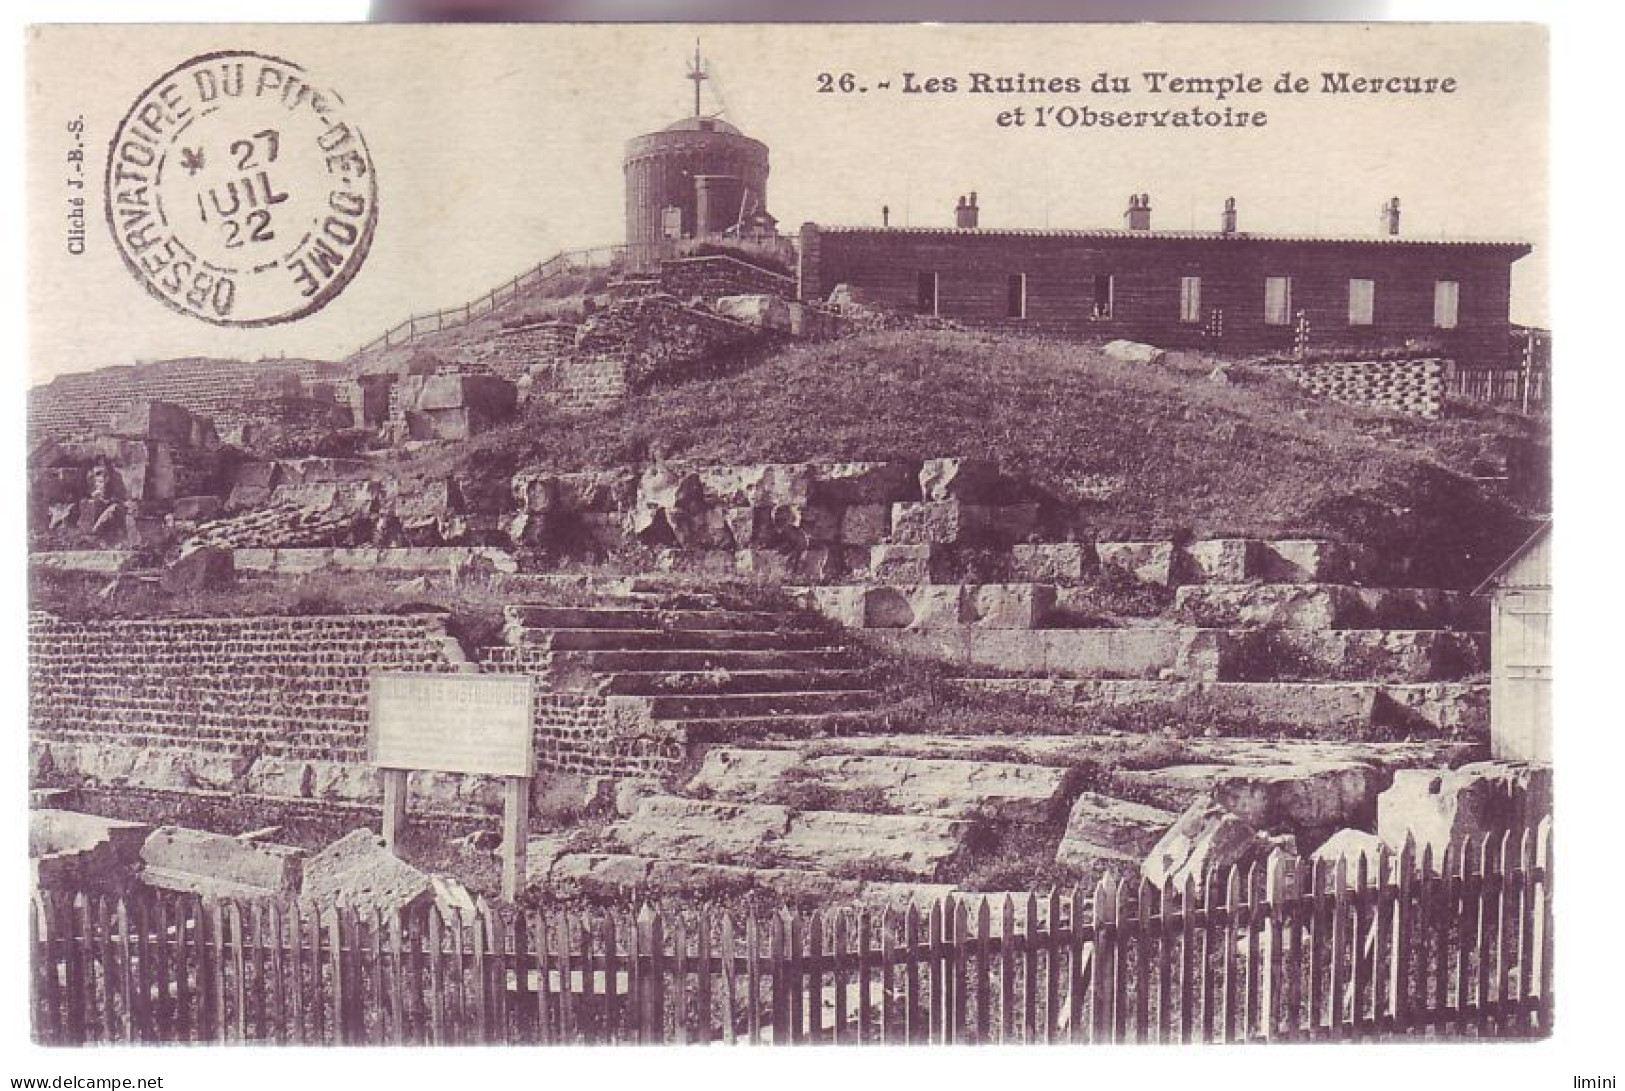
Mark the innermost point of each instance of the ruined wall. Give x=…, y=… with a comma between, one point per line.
x=714, y=275
x=277, y=706
x=82, y=403
x=291, y=688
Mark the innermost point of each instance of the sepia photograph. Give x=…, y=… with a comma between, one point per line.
x=610, y=534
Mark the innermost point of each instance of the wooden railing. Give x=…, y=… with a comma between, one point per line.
x=569, y=261
x=1411, y=945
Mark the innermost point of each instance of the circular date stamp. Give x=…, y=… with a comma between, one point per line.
x=239, y=192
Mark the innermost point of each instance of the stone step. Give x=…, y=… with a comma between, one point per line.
x=1431, y=708
x=764, y=835
x=743, y=659
x=723, y=681
x=668, y=640
x=628, y=617
x=1208, y=655
x=797, y=726
x=1003, y=791
x=708, y=706
x=620, y=877
x=1327, y=606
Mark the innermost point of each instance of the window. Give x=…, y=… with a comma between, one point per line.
x=926, y=300
x=1277, y=301
x=1015, y=305
x=1446, y=298
x=1190, y=299
x=1104, y=291
x=1362, y=301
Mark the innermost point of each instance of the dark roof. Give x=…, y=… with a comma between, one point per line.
x=1517, y=555
x=1202, y=236
x=702, y=124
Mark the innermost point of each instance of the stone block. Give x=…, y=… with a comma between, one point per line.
x=158, y=421
x=1445, y=807
x=176, y=858
x=953, y=522
x=923, y=606
x=1301, y=798
x=1133, y=352
x=763, y=564
x=764, y=485
x=358, y=870
x=969, y=480
x=202, y=568
x=865, y=524
x=767, y=312
x=1221, y=560
x=1052, y=561
x=1101, y=828
x=922, y=563
x=846, y=483
x=1311, y=560
x=1205, y=839
x=1008, y=605
x=1148, y=562
x=197, y=509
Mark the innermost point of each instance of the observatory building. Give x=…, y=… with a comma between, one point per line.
x=697, y=178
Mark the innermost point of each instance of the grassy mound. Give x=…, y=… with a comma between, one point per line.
x=1141, y=451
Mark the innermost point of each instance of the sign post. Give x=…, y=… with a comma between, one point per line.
x=476, y=724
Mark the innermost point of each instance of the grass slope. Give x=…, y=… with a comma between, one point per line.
x=1143, y=451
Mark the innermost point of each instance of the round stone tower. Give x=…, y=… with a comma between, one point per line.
x=697, y=177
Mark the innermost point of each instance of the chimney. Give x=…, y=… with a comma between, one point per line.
x=965, y=215
x=1138, y=216
x=885, y=215
x=1390, y=216
x=1227, y=222
x=975, y=212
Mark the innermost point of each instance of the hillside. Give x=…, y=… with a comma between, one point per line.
x=1144, y=451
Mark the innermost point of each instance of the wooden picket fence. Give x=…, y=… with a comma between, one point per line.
x=1412, y=945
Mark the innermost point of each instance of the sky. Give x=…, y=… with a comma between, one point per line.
x=495, y=147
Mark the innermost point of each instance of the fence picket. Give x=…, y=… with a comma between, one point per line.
x=1103, y=992
x=1359, y=967
x=778, y=966
x=865, y=967
x=937, y=1032
x=839, y=973
x=889, y=926
x=1144, y=916
x=984, y=971
x=730, y=991
x=1052, y=968
x=958, y=987
x=911, y=977
x=1029, y=970
x=753, y=979
x=1007, y=969
x=814, y=978
x=1543, y=919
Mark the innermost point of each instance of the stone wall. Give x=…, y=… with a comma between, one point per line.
x=291, y=688
x=714, y=275
x=1406, y=386
x=81, y=404
x=278, y=706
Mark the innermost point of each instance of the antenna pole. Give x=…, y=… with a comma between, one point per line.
x=697, y=74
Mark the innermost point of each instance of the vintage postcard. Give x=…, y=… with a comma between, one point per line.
x=740, y=534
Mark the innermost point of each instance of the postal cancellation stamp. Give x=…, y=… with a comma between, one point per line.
x=239, y=192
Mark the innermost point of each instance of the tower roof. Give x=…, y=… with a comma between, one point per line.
x=703, y=125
